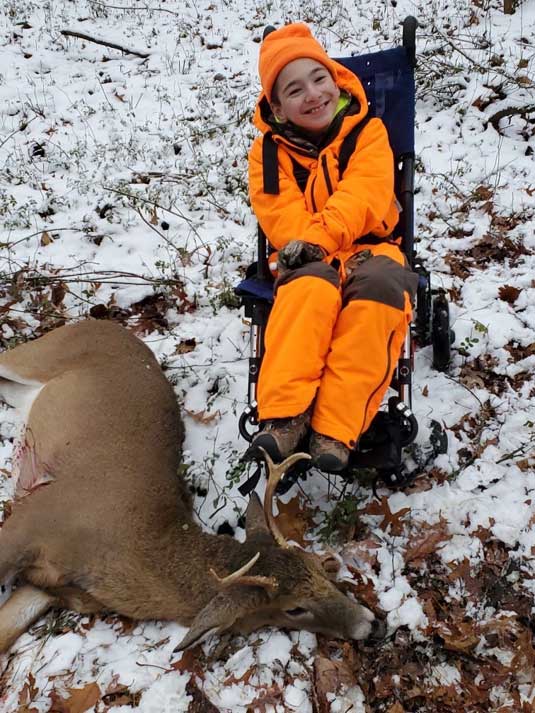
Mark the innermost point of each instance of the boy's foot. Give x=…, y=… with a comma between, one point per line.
x=280, y=437
x=328, y=454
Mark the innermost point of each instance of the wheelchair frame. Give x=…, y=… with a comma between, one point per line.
x=382, y=444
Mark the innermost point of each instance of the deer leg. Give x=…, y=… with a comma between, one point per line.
x=26, y=605
x=14, y=555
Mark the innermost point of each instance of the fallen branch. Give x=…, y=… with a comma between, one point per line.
x=106, y=43
x=522, y=111
x=130, y=9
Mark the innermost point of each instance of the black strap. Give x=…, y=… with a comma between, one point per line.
x=348, y=146
x=270, y=165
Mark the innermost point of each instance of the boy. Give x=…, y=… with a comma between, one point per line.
x=343, y=292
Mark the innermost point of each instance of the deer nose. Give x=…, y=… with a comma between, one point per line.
x=378, y=631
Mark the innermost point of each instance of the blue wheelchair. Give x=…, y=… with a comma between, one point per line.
x=388, y=79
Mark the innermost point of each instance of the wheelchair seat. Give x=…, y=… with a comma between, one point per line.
x=388, y=79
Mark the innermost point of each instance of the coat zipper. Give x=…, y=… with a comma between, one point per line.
x=326, y=174
x=314, y=207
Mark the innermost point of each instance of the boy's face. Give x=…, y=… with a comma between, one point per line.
x=305, y=94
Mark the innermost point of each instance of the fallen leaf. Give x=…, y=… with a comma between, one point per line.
x=293, y=520
x=200, y=703
x=78, y=700
x=203, y=416
x=188, y=661
x=185, y=346
x=508, y=293
x=232, y=680
x=396, y=708
x=27, y=695
x=362, y=550
x=427, y=540
x=459, y=636
x=45, y=238
x=329, y=678
x=390, y=519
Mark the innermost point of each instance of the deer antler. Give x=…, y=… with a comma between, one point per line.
x=238, y=577
x=276, y=472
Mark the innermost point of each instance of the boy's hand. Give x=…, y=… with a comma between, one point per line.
x=297, y=253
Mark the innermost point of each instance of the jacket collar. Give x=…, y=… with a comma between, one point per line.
x=286, y=133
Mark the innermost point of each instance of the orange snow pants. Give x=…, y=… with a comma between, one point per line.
x=334, y=337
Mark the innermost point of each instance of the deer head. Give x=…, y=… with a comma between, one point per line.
x=280, y=585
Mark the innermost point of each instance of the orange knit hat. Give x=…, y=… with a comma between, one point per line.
x=282, y=46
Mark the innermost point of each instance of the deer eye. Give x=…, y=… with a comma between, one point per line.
x=298, y=611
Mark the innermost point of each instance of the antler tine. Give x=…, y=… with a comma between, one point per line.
x=233, y=576
x=239, y=577
x=275, y=473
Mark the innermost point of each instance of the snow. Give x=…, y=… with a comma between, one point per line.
x=122, y=177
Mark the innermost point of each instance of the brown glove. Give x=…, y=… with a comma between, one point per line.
x=297, y=253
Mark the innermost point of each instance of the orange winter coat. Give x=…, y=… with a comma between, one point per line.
x=332, y=213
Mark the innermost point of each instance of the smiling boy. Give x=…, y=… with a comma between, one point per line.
x=343, y=292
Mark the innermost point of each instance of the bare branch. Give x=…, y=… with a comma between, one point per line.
x=106, y=43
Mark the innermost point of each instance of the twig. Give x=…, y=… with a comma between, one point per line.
x=15, y=132
x=106, y=43
x=177, y=214
x=7, y=245
x=119, y=7
x=508, y=112
x=105, y=95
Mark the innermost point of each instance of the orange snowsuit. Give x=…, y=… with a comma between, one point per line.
x=337, y=327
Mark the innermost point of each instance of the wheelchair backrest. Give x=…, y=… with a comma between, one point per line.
x=388, y=79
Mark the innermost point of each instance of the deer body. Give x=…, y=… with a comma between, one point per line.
x=104, y=523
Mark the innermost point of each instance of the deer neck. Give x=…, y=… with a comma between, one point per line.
x=182, y=567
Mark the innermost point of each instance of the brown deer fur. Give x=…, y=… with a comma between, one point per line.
x=104, y=523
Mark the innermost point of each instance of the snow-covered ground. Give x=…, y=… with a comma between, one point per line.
x=123, y=194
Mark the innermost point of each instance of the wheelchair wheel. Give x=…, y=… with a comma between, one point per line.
x=441, y=334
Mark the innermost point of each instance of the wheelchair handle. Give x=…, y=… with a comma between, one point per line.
x=268, y=29
x=410, y=24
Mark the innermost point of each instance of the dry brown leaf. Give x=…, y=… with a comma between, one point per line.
x=57, y=293
x=27, y=695
x=329, y=677
x=188, y=661
x=361, y=588
x=396, y=708
x=203, y=416
x=271, y=697
x=293, y=520
x=459, y=636
x=232, y=680
x=199, y=703
x=46, y=239
x=185, y=346
x=509, y=294
x=427, y=540
x=79, y=700
x=362, y=550
x=390, y=519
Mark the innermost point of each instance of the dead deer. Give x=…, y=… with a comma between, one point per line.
x=103, y=523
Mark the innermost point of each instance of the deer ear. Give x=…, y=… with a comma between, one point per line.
x=255, y=520
x=218, y=615
x=331, y=565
